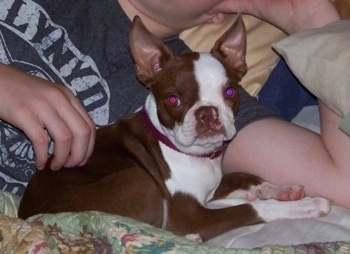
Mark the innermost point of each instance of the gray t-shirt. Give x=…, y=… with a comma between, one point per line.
x=83, y=45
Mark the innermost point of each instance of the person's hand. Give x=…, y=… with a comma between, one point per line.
x=291, y=16
x=41, y=109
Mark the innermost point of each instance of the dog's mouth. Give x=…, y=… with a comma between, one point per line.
x=205, y=126
x=207, y=131
x=204, y=136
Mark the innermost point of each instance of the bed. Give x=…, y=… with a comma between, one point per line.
x=96, y=232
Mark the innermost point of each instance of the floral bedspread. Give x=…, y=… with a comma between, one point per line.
x=96, y=232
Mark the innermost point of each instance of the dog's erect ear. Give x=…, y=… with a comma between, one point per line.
x=148, y=51
x=231, y=47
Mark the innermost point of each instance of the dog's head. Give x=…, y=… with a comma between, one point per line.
x=194, y=96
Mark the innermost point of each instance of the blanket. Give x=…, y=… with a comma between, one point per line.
x=97, y=232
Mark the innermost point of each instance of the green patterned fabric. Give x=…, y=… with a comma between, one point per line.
x=96, y=232
x=8, y=204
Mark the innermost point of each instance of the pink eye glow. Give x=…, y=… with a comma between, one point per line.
x=230, y=92
x=173, y=100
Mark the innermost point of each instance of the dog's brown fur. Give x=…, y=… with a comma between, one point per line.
x=343, y=7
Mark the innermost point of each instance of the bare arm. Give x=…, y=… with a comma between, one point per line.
x=40, y=108
x=291, y=16
x=284, y=153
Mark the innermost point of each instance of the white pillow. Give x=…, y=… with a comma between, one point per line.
x=320, y=59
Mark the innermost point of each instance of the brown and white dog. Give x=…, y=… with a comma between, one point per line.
x=162, y=164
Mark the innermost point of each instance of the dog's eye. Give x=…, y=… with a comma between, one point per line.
x=174, y=101
x=229, y=92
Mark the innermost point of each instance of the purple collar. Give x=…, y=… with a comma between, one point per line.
x=166, y=141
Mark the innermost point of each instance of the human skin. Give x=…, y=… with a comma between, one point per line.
x=39, y=108
x=170, y=17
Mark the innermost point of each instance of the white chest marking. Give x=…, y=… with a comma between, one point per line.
x=196, y=176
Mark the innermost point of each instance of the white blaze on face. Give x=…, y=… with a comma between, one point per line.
x=211, y=77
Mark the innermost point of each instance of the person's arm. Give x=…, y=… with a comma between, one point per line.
x=281, y=152
x=291, y=16
x=40, y=108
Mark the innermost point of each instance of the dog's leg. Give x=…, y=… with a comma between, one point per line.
x=239, y=188
x=267, y=190
x=245, y=186
x=189, y=218
x=308, y=207
x=243, y=199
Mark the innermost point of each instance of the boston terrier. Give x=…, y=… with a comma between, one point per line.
x=162, y=165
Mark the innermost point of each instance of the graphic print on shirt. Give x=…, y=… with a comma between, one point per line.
x=47, y=52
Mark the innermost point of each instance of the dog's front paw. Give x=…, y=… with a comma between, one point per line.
x=269, y=210
x=269, y=191
x=315, y=207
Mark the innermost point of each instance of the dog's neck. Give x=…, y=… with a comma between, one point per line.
x=212, y=153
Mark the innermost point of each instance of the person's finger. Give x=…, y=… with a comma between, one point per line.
x=84, y=134
x=69, y=129
x=62, y=137
x=40, y=140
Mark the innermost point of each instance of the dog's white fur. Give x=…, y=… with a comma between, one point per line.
x=206, y=171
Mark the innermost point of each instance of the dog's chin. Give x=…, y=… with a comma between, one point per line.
x=207, y=140
x=200, y=146
x=210, y=133
x=189, y=140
